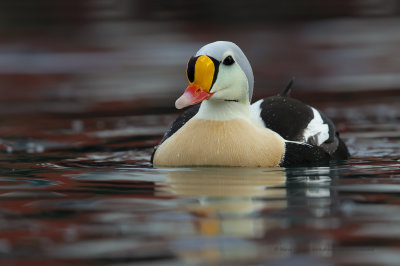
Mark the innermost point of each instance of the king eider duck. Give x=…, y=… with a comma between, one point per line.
x=226, y=130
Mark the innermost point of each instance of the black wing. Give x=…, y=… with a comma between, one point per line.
x=289, y=118
x=286, y=116
x=177, y=124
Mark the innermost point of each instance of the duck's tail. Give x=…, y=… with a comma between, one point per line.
x=288, y=89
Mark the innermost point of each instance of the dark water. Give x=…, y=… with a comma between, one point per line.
x=78, y=188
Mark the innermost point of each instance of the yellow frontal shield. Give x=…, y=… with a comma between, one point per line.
x=203, y=73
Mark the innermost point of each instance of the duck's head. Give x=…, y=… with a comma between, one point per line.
x=219, y=71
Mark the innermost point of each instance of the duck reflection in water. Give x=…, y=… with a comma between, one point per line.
x=250, y=203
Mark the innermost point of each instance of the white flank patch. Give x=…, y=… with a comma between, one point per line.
x=316, y=129
x=256, y=112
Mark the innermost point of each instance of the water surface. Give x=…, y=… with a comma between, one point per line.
x=79, y=188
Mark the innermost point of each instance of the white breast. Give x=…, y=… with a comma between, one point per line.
x=221, y=143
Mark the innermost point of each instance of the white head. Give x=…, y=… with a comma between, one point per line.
x=218, y=72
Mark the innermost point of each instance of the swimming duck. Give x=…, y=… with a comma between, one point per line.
x=224, y=129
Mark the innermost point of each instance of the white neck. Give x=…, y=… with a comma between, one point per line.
x=223, y=110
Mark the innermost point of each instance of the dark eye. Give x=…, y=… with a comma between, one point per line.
x=228, y=60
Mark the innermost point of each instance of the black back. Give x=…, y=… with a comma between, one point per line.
x=289, y=117
x=286, y=116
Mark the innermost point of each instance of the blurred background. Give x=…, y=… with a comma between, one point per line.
x=127, y=55
x=87, y=89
